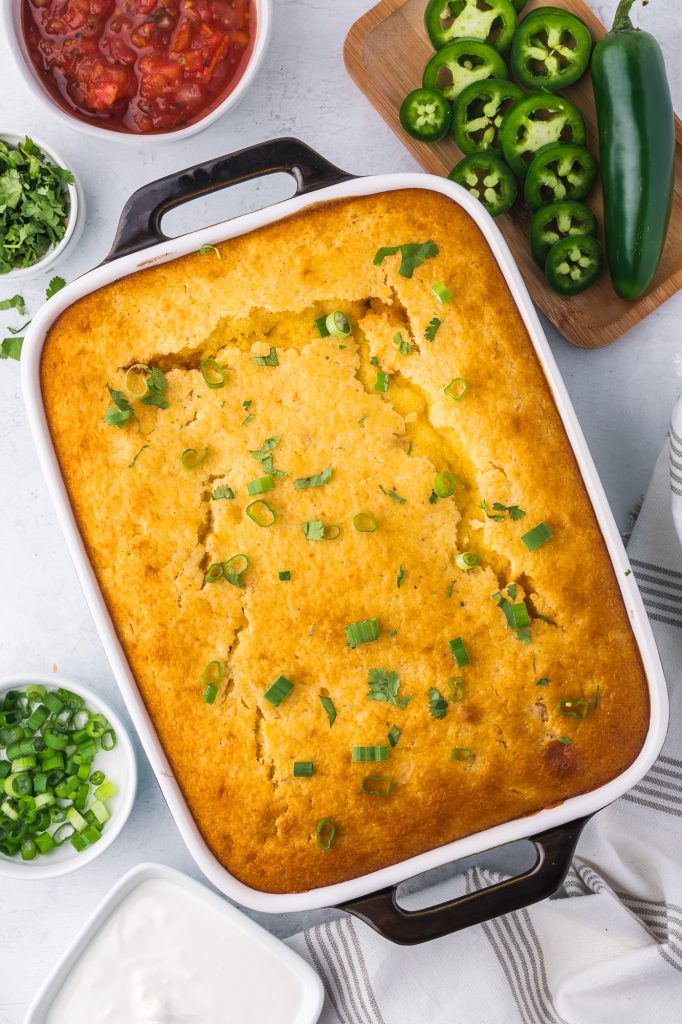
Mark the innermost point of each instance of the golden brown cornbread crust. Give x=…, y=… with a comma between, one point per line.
x=152, y=530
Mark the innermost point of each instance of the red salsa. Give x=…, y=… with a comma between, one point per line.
x=140, y=66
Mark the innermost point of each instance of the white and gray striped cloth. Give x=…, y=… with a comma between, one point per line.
x=608, y=948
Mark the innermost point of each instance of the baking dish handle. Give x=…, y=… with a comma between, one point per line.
x=554, y=852
x=140, y=223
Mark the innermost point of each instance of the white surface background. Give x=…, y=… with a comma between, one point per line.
x=623, y=396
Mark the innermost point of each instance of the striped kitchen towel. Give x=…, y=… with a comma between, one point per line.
x=608, y=948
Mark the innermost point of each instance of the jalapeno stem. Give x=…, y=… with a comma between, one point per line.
x=622, y=21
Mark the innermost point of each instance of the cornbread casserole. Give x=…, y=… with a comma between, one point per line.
x=523, y=681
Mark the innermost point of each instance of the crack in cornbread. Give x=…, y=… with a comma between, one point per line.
x=153, y=530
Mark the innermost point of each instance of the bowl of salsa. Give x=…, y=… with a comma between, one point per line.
x=162, y=69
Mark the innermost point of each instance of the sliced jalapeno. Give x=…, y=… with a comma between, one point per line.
x=425, y=115
x=551, y=49
x=556, y=221
x=488, y=179
x=559, y=171
x=459, y=64
x=573, y=264
x=519, y=5
x=533, y=122
x=492, y=21
x=478, y=113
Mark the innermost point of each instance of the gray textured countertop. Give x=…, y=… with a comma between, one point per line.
x=623, y=396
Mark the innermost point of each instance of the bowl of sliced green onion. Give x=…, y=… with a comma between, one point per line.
x=67, y=776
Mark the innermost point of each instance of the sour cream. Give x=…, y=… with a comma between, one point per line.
x=165, y=956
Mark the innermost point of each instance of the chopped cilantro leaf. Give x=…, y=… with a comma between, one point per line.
x=431, y=331
x=400, y=577
x=497, y=515
x=206, y=249
x=543, y=682
x=403, y=346
x=412, y=255
x=118, y=414
x=10, y=348
x=313, y=529
x=438, y=705
x=264, y=456
x=383, y=686
x=157, y=385
x=16, y=302
x=393, y=735
x=305, y=482
x=269, y=360
x=222, y=491
x=55, y=285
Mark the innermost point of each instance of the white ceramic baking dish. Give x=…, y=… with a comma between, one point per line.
x=311, y=986
x=554, y=831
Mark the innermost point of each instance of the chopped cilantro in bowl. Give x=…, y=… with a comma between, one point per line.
x=38, y=205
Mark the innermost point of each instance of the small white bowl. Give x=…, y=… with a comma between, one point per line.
x=76, y=211
x=118, y=765
x=311, y=985
x=10, y=26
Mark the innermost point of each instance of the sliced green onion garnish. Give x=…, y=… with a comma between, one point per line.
x=540, y=534
x=269, y=360
x=212, y=674
x=213, y=374
x=280, y=689
x=444, y=484
x=364, y=522
x=573, y=708
x=328, y=705
x=324, y=834
x=191, y=458
x=134, y=374
x=376, y=785
x=400, y=577
x=321, y=324
x=261, y=513
x=338, y=325
x=284, y=575
x=543, y=682
x=378, y=753
x=456, y=687
x=382, y=381
x=437, y=704
x=520, y=615
x=303, y=769
x=459, y=651
x=210, y=693
x=462, y=754
x=106, y=790
x=206, y=249
x=566, y=741
x=215, y=572
x=235, y=567
x=261, y=485
x=305, y=482
x=442, y=292
x=364, y=632
x=467, y=560
x=456, y=389
x=393, y=735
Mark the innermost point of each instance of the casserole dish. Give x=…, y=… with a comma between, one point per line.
x=554, y=830
x=11, y=25
x=253, y=935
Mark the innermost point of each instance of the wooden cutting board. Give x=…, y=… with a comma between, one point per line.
x=385, y=54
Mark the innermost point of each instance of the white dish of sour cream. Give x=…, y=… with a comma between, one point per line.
x=163, y=949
